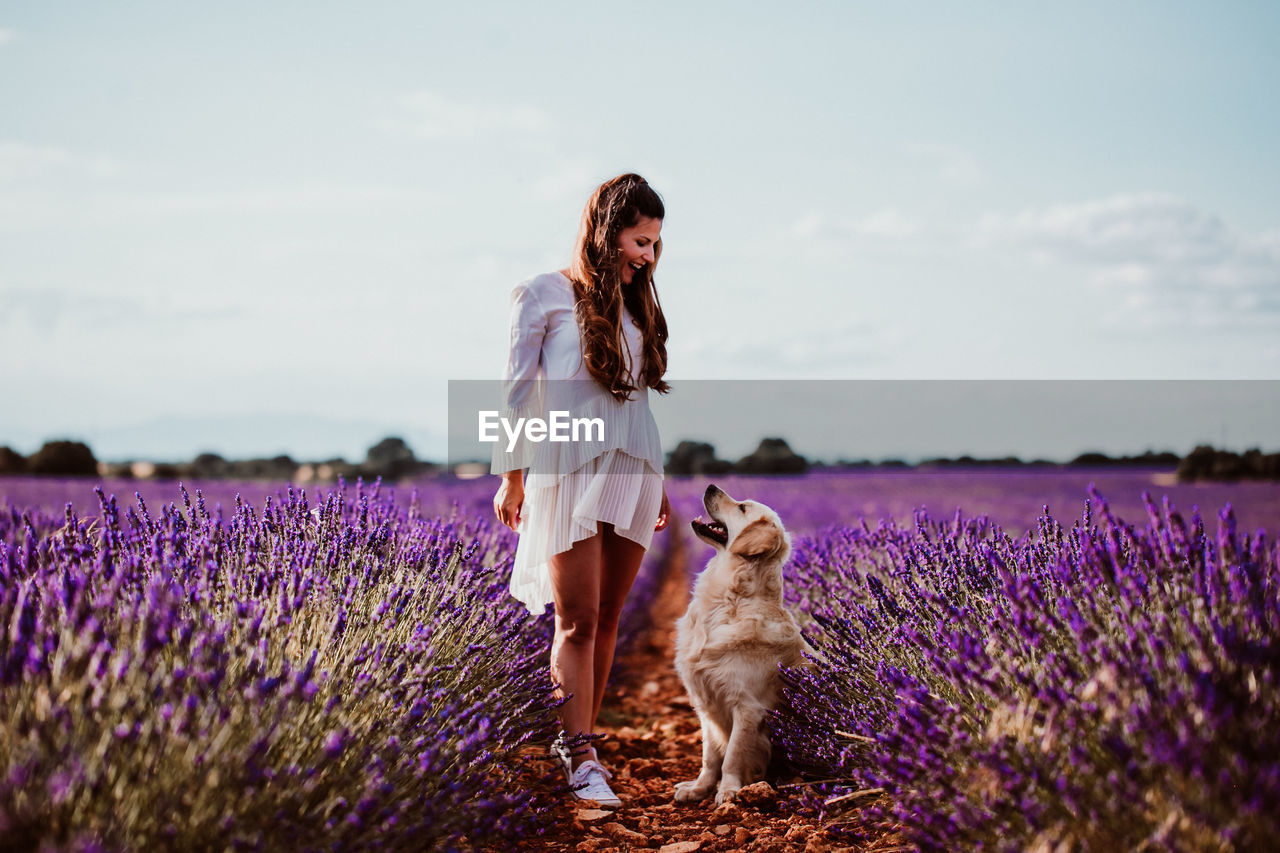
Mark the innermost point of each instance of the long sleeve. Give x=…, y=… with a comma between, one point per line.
x=522, y=380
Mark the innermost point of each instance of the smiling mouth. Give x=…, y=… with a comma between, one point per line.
x=713, y=530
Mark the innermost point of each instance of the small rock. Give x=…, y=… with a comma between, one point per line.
x=591, y=845
x=650, y=688
x=816, y=845
x=758, y=790
x=761, y=796
x=727, y=810
x=723, y=829
x=592, y=815
x=773, y=845
x=798, y=833
x=618, y=832
x=681, y=847
x=644, y=769
x=741, y=836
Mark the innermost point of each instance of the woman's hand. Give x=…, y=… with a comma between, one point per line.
x=509, y=500
x=664, y=513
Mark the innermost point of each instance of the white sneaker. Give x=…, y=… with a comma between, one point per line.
x=589, y=783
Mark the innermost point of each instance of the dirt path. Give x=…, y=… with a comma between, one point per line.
x=651, y=743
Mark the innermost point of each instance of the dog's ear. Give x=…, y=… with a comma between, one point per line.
x=758, y=539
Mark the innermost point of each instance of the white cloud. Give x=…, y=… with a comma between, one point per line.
x=1149, y=228
x=1163, y=258
x=47, y=309
x=303, y=199
x=886, y=225
x=32, y=209
x=822, y=238
x=829, y=350
x=569, y=180
x=429, y=115
x=50, y=309
x=954, y=166
x=19, y=161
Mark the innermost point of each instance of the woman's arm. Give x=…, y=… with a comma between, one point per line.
x=509, y=500
x=664, y=513
x=521, y=390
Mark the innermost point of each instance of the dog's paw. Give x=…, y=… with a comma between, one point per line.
x=689, y=792
x=726, y=794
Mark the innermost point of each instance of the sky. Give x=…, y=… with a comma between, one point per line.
x=285, y=227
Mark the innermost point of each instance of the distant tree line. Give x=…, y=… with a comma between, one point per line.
x=55, y=458
x=774, y=456
x=1148, y=459
x=392, y=459
x=1206, y=463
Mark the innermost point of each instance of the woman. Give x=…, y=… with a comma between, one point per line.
x=589, y=339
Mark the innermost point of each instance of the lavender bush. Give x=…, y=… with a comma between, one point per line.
x=345, y=678
x=1105, y=687
x=438, y=495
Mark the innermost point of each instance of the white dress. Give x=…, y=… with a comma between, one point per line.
x=571, y=485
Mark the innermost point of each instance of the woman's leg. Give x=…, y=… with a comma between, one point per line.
x=622, y=559
x=575, y=584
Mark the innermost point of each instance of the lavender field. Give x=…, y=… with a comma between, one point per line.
x=1014, y=498
x=1014, y=660
x=341, y=669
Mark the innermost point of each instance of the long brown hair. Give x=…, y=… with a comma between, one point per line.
x=599, y=293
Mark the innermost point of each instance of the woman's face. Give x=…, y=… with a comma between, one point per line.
x=636, y=244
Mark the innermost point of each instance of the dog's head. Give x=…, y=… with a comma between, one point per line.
x=746, y=529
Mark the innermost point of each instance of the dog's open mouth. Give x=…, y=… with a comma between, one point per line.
x=712, y=530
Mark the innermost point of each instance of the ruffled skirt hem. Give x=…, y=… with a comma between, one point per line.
x=615, y=487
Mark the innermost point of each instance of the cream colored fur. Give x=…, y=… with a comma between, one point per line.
x=730, y=641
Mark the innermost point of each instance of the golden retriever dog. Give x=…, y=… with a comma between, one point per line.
x=730, y=641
